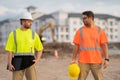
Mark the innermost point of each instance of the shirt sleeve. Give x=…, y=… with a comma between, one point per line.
x=77, y=39
x=103, y=37
x=38, y=45
x=10, y=46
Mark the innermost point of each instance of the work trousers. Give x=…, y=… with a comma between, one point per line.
x=96, y=70
x=30, y=73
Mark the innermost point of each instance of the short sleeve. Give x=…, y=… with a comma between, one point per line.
x=10, y=46
x=38, y=45
x=103, y=37
x=77, y=39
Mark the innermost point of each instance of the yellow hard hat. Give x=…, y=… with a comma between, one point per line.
x=73, y=70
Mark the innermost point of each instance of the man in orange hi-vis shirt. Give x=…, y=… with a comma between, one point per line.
x=89, y=40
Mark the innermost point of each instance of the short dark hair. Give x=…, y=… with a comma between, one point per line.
x=88, y=14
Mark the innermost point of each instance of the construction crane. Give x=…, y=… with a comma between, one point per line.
x=50, y=25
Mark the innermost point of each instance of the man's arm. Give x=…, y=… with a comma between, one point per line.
x=76, y=49
x=39, y=47
x=105, y=53
x=10, y=66
x=38, y=56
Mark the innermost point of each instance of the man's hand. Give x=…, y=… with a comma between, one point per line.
x=73, y=61
x=106, y=64
x=38, y=56
x=36, y=61
x=11, y=67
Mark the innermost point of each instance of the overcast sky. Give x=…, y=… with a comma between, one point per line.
x=9, y=8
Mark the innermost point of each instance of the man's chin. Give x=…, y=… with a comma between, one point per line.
x=87, y=24
x=27, y=27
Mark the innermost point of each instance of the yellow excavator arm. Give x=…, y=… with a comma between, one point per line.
x=46, y=26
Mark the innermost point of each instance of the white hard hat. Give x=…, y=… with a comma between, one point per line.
x=26, y=15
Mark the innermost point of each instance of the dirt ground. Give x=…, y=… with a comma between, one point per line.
x=51, y=68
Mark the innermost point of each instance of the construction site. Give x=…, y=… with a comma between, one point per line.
x=57, y=56
x=54, y=66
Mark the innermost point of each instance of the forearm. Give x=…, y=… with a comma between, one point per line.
x=10, y=66
x=74, y=56
x=38, y=55
x=10, y=55
x=105, y=50
x=75, y=52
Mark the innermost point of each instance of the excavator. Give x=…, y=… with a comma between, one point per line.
x=52, y=47
x=46, y=26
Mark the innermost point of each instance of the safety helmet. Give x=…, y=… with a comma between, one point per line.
x=26, y=15
x=73, y=71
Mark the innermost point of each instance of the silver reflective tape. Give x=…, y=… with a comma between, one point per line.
x=33, y=35
x=90, y=48
x=23, y=54
x=81, y=32
x=99, y=30
x=14, y=33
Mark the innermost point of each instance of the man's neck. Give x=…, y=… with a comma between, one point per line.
x=23, y=28
x=91, y=25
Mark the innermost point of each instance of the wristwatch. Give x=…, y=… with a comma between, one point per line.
x=106, y=59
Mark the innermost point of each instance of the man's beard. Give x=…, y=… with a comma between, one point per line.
x=87, y=24
x=27, y=27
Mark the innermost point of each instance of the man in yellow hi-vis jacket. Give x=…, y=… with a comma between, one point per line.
x=20, y=46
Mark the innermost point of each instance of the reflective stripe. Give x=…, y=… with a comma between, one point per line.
x=33, y=35
x=81, y=34
x=99, y=30
x=89, y=48
x=14, y=33
x=23, y=54
x=82, y=48
x=81, y=31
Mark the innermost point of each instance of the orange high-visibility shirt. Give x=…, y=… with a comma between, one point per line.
x=88, y=39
